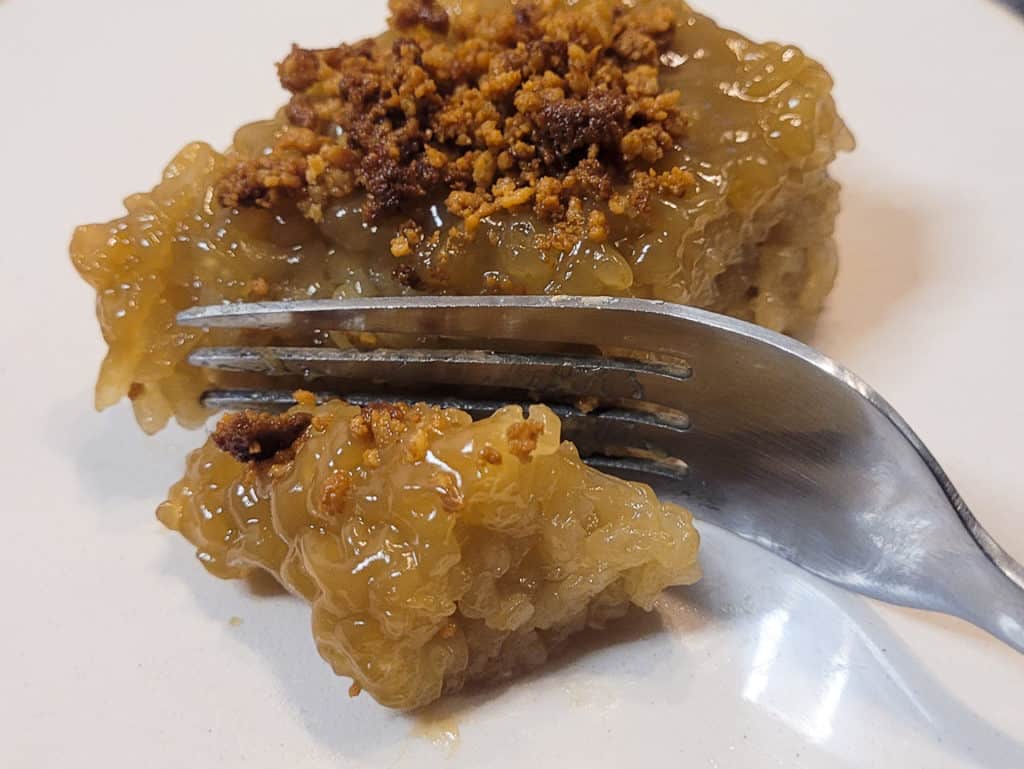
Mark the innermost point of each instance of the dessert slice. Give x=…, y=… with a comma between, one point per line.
x=435, y=550
x=596, y=147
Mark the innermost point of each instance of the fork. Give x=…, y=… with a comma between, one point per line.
x=753, y=431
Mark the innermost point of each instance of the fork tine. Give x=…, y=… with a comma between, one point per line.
x=556, y=376
x=638, y=442
x=643, y=326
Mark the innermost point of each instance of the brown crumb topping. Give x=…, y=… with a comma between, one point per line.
x=522, y=437
x=411, y=13
x=304, y=398
x=490, y=455
x=334, y=492
x=448, y=488
x=380, y=423
x=541, y=105
x=256, y=289
x=417, y=446
x=252, y=436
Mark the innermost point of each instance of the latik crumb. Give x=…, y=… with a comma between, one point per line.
x=489, y=110
x=334, y=492
x=304, y=398
x=451, y=493
x=257, y=288
x=410, y=13
x=381, y=423
x=417, y=446
x=252, y=436
x=409, y=236
x=490, y=455
x=522, y=437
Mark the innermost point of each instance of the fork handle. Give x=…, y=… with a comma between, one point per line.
x=987, y=589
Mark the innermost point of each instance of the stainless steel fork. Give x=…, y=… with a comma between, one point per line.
x=753, y=431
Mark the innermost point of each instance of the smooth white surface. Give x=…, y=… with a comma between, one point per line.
x=116, y=649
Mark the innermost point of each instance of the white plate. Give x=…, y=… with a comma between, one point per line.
x=117, y=650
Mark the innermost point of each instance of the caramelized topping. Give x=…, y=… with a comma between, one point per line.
x=251, y=436
x=410, y=13
x=522, y=437
x=381, y=423
x=537, y=105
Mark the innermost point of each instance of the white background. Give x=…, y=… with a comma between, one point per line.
x=116, y=649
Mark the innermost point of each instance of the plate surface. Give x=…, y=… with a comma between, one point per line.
x=117, y=650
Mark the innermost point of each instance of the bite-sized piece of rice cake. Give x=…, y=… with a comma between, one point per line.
x=434, y=550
